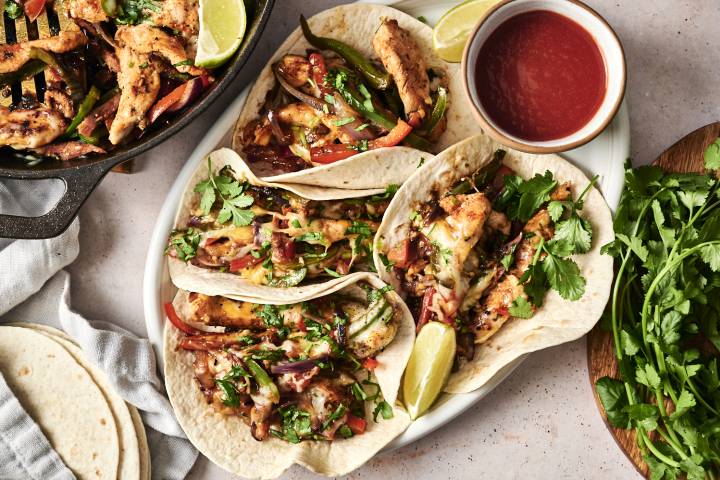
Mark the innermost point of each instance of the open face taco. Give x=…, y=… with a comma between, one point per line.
x=502, y=245
x=247, y=239
x=351, y=85
x=259, y=387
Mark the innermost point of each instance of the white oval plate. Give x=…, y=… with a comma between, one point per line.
x=604, y=156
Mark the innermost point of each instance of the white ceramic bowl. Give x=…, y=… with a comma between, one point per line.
x=607, y=42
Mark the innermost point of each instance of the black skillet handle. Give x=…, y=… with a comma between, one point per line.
x=79, y=183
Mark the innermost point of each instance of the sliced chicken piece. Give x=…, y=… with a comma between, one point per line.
x=401, y=57
x=146, y=39
x=296, y=69
x=15, y=55
x=494, y=312
x=68, y=150
x=139, y=82
x=30, y=128
x=89, y=10
x=102, y=113
x=179, y=15
x=56, y=99
x=221, y=311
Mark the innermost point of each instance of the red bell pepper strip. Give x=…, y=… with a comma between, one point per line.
x=319, y=71
x=177, y=322
x=244, y=262
x=166, y=102
x=425, y=312
x=370, y=363
x=356, y=424
x=339, y=151
x=175, y=96
x=401, y=255
x=33, y=8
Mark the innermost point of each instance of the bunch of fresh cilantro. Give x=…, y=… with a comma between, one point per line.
x=664, y=314
x=551, y=267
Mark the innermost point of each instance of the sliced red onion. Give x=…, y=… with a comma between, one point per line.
x=296, y=367
x=315, y=103
x=281, y=137
x=193, y=89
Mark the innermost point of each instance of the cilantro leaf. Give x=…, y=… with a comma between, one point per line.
x=564, y=275
x=521, y=308
x=611, y=393
x=710, y=254
x=555, y=209
x=712, y=155
x=576, y=231
x=643, y=414
x=383, y=408
x=534, y=193
x=685, y=402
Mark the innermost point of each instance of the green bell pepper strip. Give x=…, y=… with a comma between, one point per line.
x=482, y=177
x=263, y=380
x=438, y=110
x=95, y=137
x=29, y=70
x=85, y=107
x=71, y=81
x=381, y=119
x=376, y=78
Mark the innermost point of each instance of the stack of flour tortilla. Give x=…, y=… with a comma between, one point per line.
x=95, y=433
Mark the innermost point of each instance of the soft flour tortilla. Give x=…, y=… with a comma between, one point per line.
x=210, y=282
x=355, y=24
x=63, y=400
x=559, y=320
x=226, y=440
x=133, y=442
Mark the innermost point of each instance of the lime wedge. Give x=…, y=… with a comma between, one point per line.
x=429, y=367
x=222, y=27
x=453, y=28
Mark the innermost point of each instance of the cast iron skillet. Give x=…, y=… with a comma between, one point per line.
x=81, y=176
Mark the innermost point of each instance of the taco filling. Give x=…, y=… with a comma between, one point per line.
x=488, y=249
x=273, y=237
x=333, y=103
x=296, y=372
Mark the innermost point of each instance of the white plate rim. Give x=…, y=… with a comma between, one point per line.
x=156, y=280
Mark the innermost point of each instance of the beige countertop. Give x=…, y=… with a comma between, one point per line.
x=542, y=421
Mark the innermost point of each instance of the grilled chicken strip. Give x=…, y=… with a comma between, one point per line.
x=402, y=59
x=15, y=55
x=30, y=128
x=68, y=150
x=139, y=82
x=146, y=39
x=222, y=311
x=89, y=10
x=179, y=15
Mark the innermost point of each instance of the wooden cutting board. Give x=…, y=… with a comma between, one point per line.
x=685, y=156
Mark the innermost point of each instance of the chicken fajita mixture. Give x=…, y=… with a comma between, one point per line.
x=273, y=237
x=488, y=249
x=115, y=68
x=333, y=103
x=296, y=372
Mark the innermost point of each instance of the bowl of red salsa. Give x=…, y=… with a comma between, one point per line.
x=544, y=76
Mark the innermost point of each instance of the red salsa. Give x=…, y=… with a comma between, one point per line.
x=540, y=76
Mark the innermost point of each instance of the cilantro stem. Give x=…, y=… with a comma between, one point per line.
x=651, y=446
x=587, y=188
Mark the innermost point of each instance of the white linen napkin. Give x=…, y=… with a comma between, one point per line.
x=34, y=289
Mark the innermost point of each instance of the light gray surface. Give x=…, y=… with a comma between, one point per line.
x=540, y=423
